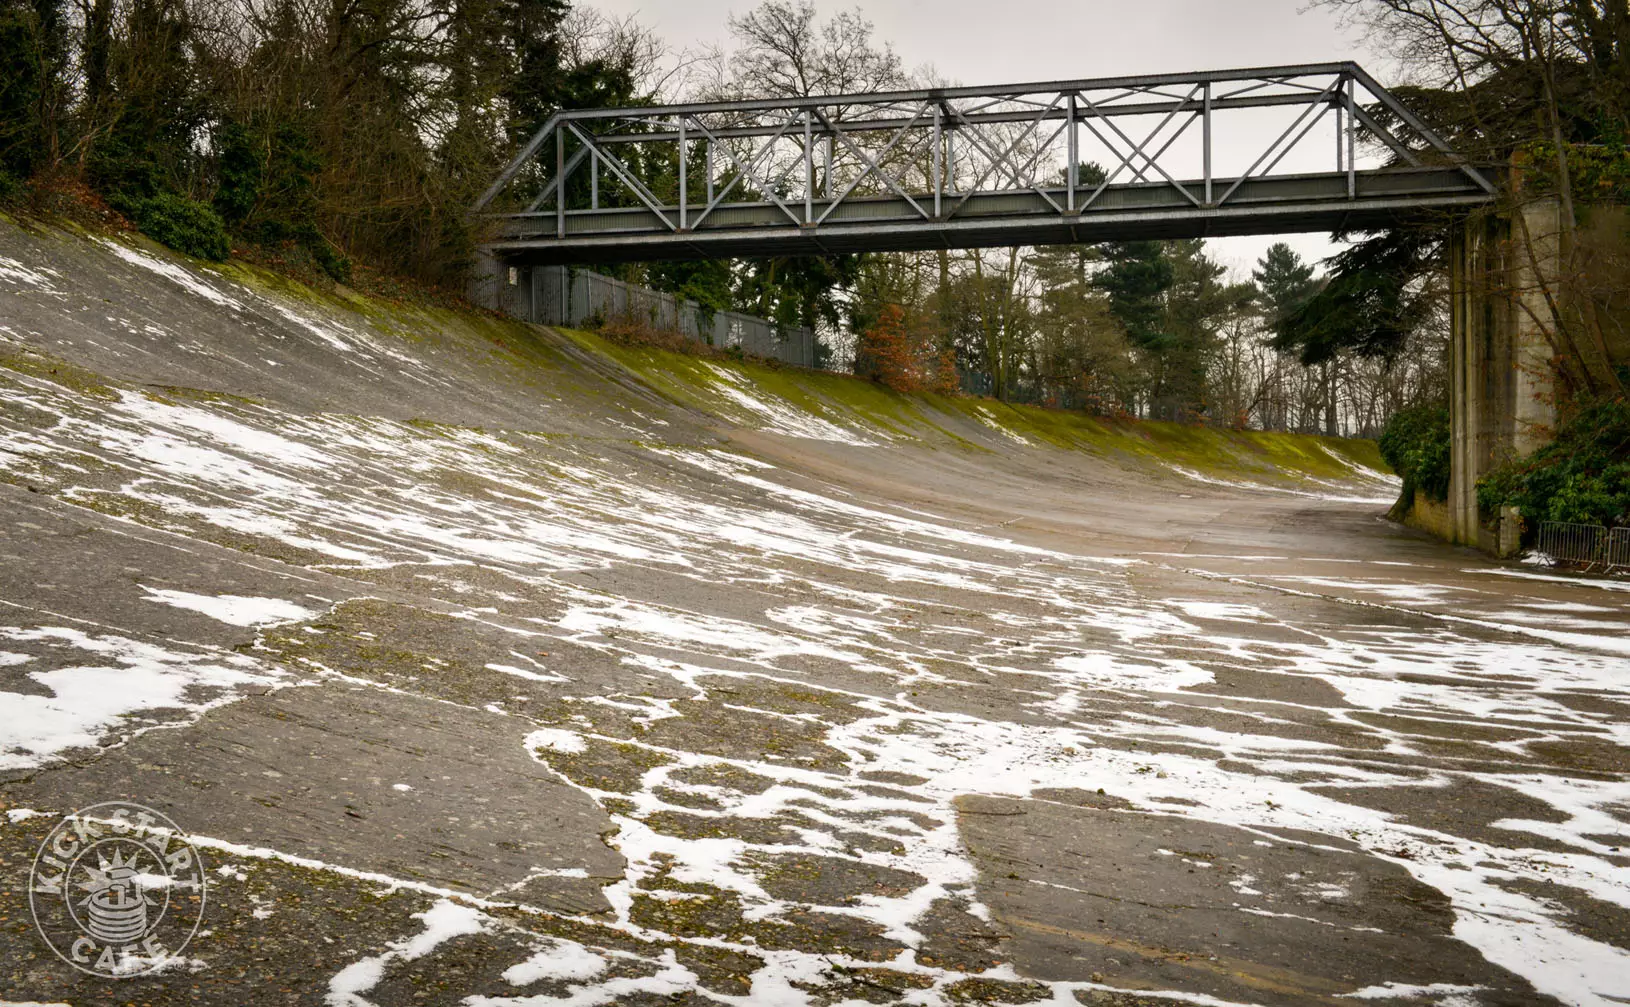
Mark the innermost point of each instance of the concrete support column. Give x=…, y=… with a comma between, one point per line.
x=510, y=290
x=487, y=275
x=1501, y=377
x=1466, y=343
x=1537, y=268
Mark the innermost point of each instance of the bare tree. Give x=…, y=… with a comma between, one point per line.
x=1516, y=77
x=786, y=52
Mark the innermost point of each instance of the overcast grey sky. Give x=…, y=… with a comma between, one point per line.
x=1009, y=41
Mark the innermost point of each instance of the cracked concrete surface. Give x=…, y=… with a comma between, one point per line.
x=484, y=671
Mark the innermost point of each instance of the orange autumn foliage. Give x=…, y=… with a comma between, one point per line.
x=902, y=356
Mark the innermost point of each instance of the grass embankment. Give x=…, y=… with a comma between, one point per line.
x=870, y=410
x=755, y=394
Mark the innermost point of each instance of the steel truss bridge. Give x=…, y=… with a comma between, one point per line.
x=1297, y=148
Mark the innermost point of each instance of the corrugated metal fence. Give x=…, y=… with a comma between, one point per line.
x=1588, y=545
x=563, y=296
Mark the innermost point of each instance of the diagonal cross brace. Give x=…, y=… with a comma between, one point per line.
x=748, y=170
x=1137, y=148
x=871, y=165
x=1425, y=132
x=626, y=176
x=1312, y=108
x=1002, y=158
x=559, y=182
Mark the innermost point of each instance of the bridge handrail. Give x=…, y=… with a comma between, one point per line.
x=1345, y=72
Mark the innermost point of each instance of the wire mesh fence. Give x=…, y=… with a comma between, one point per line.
x=1026, y=391
x=1587, y=545
x=563, y=296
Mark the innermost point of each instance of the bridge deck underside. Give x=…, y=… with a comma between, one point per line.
x=1282, y=204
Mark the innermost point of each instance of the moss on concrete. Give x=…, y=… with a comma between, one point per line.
x=997, y=991
x=694, y=381
x=870, y=410
x=605, y=765
x=697, y=911
x=555, y=368
x=59, y=372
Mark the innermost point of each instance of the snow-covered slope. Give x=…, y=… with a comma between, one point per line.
x=283, y=563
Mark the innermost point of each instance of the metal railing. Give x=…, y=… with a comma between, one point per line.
x=1180, y=155
x=1586, y=545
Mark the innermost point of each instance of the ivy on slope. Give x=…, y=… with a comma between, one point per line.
x=1583, y=476
x=1415, y=443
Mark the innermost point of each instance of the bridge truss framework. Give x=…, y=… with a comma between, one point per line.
x=1182, y=155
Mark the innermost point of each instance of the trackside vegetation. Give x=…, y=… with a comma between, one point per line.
x=1415, y=444
x=1583, y=476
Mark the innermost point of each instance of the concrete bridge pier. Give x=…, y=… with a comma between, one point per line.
x=498, y=286
x=1503, y=382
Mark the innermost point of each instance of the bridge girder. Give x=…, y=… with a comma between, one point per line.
x=972, y=167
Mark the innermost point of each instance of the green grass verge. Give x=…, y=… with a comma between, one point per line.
x=867, y=408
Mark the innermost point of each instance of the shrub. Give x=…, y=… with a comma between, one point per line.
x=184, y=225
x=22, y=129
x=632, y=330
x=238, y=174
x=266, y=182
x=1600, y=172
x=329, y=259
x=1582, y=476
x=1415, y=443
x=900, y=356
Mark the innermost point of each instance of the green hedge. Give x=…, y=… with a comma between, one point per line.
x=1583, y=476
x=185, y=225
x=1415, y=443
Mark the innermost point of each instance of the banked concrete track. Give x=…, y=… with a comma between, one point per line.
x=491, y=665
